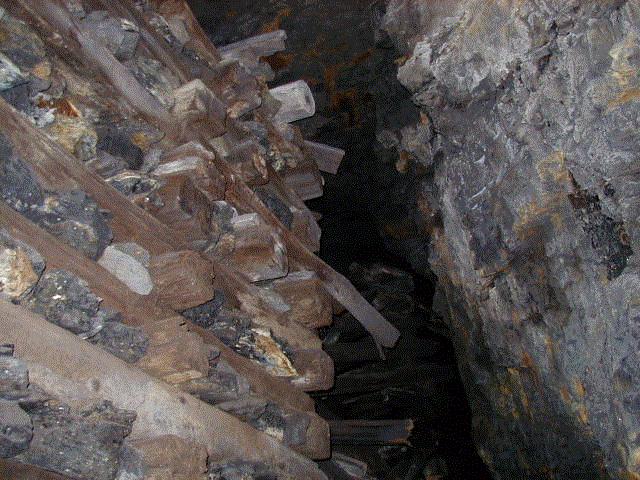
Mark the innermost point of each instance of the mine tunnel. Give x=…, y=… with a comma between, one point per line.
x=401, y=411
x=314, y=240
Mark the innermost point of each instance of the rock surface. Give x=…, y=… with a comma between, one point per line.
x=129, y=263
x=533, y=184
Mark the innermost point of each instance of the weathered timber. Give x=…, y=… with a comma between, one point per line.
x=304, y=225
x=55, y=13
x=250, y=51
x=296, y=100
x=138, y=310
x=326, y=157
x=336, y=284
x=310, y=303
x=194, y=104
x=182, y=279
x=76, y=370
x=350, y=354
x=248, y=160
x=164, y=457
x=371, y=432
x=305, y=180
x=58, y=171
x=260, y=45
x=314, y=366
x=252, y=248
x=342, y=467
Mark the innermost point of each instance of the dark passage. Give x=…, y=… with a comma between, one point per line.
x=370, y=234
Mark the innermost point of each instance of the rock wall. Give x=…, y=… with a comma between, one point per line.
x=535, y=198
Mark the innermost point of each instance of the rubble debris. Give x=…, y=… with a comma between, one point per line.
x=10, y=74
x=76, y=219
x=120, y=36
x=160, y=408
x=125, y=342
x=157, y=79
x=71, y=216
x=16, y=429
x=180, y=183
x=66, y=300
x=274, y=203
x=20, y=267
x=129, y=263
x=205, y=314
x=84, y=443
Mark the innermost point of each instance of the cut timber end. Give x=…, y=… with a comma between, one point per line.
x=297, y=102
x=327, y=158
x=259, y=46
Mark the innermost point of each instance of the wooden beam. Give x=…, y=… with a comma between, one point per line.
x=371, y=432
x=327, y=158
x=76, y=371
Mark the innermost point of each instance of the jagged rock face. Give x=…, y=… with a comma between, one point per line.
x=534, y=179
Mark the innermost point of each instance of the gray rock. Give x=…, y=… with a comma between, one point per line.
x=83, y=444
x=15, y=429
x=76, y=219
x=64, y=299
x=14, y=376
x=125, y=342
x=128, y=263
x=536, y=111
x=10, y=74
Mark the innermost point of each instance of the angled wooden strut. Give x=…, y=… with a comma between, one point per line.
x=337, y=285
x=58, y=171
x=143, y=311
x=76, y=371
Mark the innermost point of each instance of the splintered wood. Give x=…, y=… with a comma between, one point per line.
x=141, y=170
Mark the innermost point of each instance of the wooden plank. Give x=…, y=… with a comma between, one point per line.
x=326, y=157
x=310, y=304
x=57, y=170
x=67, y=370
x=167, y=360
x=371, y=432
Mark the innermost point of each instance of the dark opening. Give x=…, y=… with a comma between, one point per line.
x=369, y=234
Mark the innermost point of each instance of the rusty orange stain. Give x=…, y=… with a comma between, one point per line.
x=280, y=60
x=579, y=387
x=276, y=23
x=583, y=415
x=62, y=106
x=566, y=396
